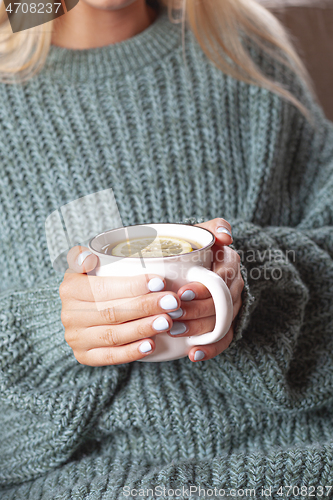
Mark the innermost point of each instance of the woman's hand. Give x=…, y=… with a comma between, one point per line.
x=197, y=311
x=111, y=320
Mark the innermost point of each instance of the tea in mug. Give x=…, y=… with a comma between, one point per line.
x=161, y=246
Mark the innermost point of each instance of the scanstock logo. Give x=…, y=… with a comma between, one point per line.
x=26, y=14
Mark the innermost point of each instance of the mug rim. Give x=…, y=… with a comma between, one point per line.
x=134, y=259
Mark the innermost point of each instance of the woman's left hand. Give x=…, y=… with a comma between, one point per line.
x=197, y=311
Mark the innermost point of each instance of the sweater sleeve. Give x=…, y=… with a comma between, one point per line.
x=42, y=386
x=287, y=259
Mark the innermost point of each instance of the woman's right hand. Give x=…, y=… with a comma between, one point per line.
x=108, y=320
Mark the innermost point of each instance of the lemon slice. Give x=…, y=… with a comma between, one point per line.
x=162, y=246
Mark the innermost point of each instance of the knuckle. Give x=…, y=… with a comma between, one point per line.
x=230, y=273
x=80, y=357
x=110, y=357
x=66, y=317
x=138, y=285
x=111, y=337
x=70, y=336
x=198, y=327
x=147, y=305
x=196, y=312
x=63, y=289
x=142, y=330
x=132, y=287
x=67, y=285
x=99, y=287
x=109, y=315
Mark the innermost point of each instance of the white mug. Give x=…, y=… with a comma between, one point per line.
x=177, y=271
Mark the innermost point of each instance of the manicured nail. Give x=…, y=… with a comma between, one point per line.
x=224, y=230
x=155, y=285
x=161, y=324
x=187, y=295
x=176, y=314
x=199, y=355
x=178, y=328
x=145, y=347
x=82, y=257
x=168, y=302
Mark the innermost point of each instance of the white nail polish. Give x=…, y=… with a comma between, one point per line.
x=155, y=285
x=187, y=295
x=199, y=355
x=178, y=328
x=176, y=314
x=145, y=347
x=161, y=324
x=224, y=230
x=82, y=257
x=168, y=302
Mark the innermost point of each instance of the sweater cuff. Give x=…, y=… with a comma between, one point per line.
x=243, y=317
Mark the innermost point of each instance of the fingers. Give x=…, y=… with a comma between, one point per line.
x=84, y=339
x=205, y=352
x=236, y=289
x=193, y=290
x=203, y=308
x=105, y=356
x=237, y=307
x=194, y=310
x=81, y=260
x=226, y=263
x=221, y=229
x=85, y=314
x=192, y=327
x=104, y=288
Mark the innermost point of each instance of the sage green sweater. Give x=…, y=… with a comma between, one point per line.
x=176, y=142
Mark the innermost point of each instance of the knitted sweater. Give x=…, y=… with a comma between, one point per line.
x=176, y=141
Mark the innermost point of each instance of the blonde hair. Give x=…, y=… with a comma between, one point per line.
x=218, y=25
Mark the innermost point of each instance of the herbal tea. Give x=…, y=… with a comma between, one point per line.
x=162, y=246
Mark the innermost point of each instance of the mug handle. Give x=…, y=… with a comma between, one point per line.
x=222, y=301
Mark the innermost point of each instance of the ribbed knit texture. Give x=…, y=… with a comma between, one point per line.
x=176, y=142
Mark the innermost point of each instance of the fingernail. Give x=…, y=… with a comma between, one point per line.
x=176, y=314
x=145, y=347
x=161, y=324
x=224, y=230
x=187, y=295
x=178, y=328
x=155, y=285
x=82, y=257
x=199, y=355
x=168, y=302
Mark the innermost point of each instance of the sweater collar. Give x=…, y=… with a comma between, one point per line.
x=151, y=45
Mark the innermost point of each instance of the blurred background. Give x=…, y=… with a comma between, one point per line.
x=310, y=22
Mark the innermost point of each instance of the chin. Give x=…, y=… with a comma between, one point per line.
x=109, y=4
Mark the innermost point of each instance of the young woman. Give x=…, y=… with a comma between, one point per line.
x=209, y=122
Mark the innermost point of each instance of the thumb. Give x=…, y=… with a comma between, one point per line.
x=81, y=260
